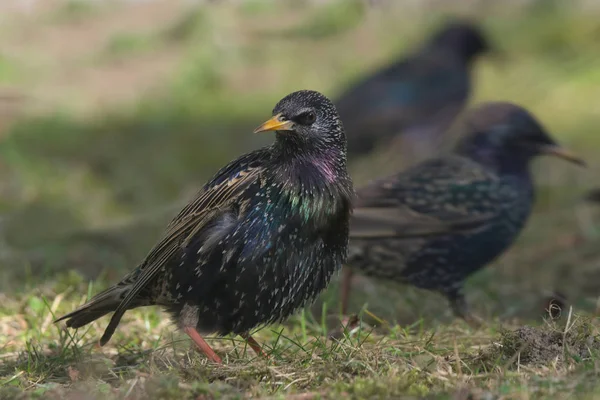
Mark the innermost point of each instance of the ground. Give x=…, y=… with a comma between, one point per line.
x=113, y=113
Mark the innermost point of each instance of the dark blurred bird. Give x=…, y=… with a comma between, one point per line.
x=486, y=178
x=260, y=240
x=418, y=96
x=593, y=196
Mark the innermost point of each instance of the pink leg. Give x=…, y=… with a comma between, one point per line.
x=201, y=343
x=346, y=286
x=254, y=345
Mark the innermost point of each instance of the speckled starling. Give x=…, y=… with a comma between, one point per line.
x=593, y=196
x=418, y=96
x=262, y=238
x=486, y=177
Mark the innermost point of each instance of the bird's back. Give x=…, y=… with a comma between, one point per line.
x=425, y=91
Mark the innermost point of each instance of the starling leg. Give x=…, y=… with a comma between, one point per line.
x=201, y=343
x=346, y=286
x=254, y=345
x=461, y=308
x=351, y=322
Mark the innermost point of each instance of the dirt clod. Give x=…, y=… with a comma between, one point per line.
x=535, y=346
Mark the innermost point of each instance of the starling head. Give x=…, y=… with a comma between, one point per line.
x=505, y=135
x=464, y=38
x=308, y=120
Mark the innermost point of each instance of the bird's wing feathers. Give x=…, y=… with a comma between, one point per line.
x=229, y=179
x=432, y=198
x=214, y=200
x=403, y=222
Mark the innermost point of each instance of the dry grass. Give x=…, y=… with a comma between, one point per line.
x=147, y=358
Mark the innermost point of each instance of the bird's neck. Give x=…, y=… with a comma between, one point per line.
x=451, y=55
x=302, y=161
x=503, y=163
x=315, y=183
x=316, y=173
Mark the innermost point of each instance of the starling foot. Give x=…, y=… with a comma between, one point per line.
x=473, y=320
x=254, y=345
x=461, y=308
x=201, y=343
x=554, y=305
x=347, y=325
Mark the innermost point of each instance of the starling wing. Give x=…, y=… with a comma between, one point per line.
x=205, y=216
x=433, y=198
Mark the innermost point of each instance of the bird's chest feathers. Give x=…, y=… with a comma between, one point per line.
x=522, y=193
x=309, y=188
x=306, y=205
x=283, y=219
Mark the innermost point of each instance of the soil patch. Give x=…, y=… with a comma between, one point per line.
x=536, y=346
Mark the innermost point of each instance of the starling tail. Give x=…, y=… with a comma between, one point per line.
x=100, y=305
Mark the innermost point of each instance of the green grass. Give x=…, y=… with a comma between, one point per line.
x=331, y=18
x=73, y=11
x=85, y=194
x=8, y=71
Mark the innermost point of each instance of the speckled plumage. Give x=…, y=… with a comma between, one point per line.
x=486, y=179
x=418, y=96
x=261, y=239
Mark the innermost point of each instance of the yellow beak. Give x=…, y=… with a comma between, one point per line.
x=275, y=124
x=563, y=153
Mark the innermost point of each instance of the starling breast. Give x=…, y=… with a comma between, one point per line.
x=483, y=192
x=418, y=96
x=261, y=239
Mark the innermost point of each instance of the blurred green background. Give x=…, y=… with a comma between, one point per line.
x=113, y=113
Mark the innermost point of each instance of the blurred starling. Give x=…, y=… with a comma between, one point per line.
x=593, y=196
x=260, y=241
x=418, y=96
x=486, y=177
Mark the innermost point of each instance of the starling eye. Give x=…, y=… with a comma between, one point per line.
x=307, y=118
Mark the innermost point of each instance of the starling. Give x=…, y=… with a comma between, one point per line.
x=262, y=238
x=486, y=179
x=593, y=196
x=418, y=96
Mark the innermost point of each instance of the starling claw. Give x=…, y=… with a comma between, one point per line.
x=348, y=325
